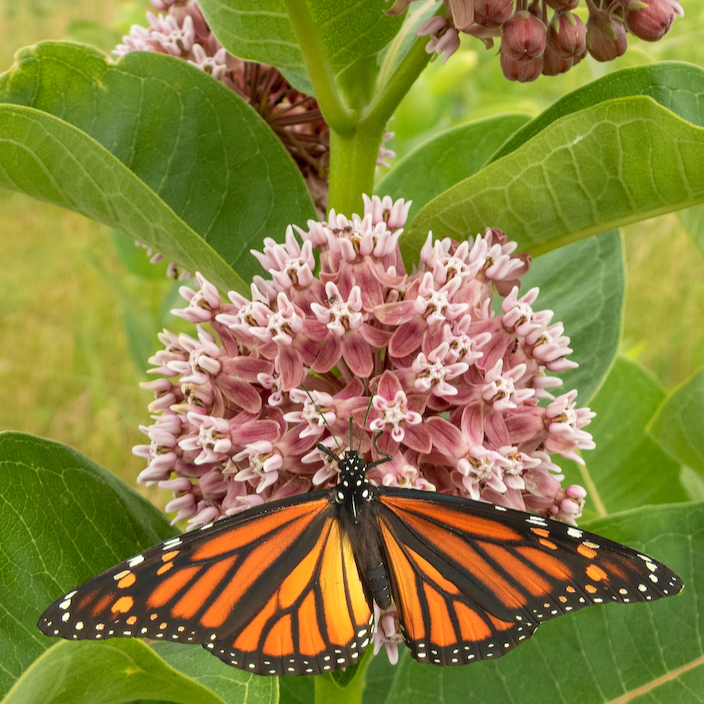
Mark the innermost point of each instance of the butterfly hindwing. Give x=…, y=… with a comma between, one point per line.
x=242, y=588
x=509, y=568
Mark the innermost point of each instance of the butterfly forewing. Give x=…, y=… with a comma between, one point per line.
x=510, y=566
x=243, y=588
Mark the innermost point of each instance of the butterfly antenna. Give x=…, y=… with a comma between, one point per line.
x=385, y=457
x=320, y=445
x=364, y=425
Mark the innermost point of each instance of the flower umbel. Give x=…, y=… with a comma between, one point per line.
x=451, y=390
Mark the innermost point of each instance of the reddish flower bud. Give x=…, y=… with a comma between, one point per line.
x=492, y=13
x=554, y=64
x=562, y=5
x=649, y=19
x=606, y=38
x=567, y=35
x=523, y=71
x=523, y=39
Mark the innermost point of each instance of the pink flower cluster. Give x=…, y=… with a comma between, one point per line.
x=452, y=389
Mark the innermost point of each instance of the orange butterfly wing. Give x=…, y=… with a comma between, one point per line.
x=274, y=590
x=471, y=580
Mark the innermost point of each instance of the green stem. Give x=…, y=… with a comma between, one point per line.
x=336, y=114
x=353, y=156
x=352, y=163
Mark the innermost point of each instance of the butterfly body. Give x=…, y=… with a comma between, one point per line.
x=288, y=587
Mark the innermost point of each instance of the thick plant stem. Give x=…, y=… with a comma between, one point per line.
x=353, y=155
x=352, y=164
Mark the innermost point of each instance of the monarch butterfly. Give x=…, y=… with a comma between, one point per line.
x=287, y=588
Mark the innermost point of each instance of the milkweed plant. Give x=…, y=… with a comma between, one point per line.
x=462, y=305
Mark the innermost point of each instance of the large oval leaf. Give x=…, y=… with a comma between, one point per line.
x=447, y=159
x=617, y=162
x=614, y=653
x=112, y=672
x=63, y=519
x=53, y=161
x=677, y=86
x=679, y=423
x=585, y=284
x=262, y=31
x=193, y=142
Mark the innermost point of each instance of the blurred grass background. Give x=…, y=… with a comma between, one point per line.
x=81, y=306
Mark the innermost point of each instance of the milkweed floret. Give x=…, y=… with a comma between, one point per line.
x=420, y=358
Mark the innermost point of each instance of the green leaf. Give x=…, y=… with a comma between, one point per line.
x=447, y=159
x=231, y=684
x=35, y=146
x=296, y=690
x=110, y=672
x=195, y=150
x=585, y=285
x=63, y=519
x=613, y=653
x=679, y=424
x=260, y=30
x=627, y=468
x=677, y=86
x=617, y=162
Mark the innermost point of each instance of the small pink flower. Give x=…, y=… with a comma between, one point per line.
x=385, y=210
x=315, y=414
x=201, y=303
x=387, y=632
x=444, y=38
x=565, y=427
x=432, y=374
x=264, y=465
x=500, y=388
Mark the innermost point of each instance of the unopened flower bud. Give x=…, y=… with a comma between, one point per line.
x=567, y=35
x=492, y=13
x=523, y=39
x=562, y=5
x=553, y=64
x=523, y=71
x=606, y=38
x=649, y=19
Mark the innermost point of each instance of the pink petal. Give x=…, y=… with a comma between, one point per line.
x=388, y=386
x=407, y=337
x=357, y=354
x=395, y=313
x=472, y=423
x=496, y=431
x=328, y=356
x=446, y=437
x=254, y=431
x=247, y=367
x=417, y=438
x=239, y=392
x=374, y=336
x=291, y=366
